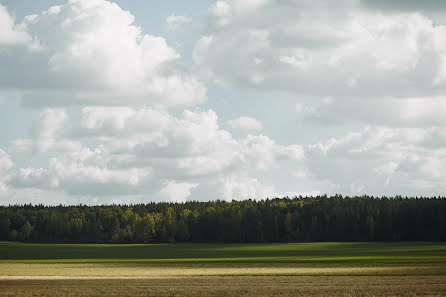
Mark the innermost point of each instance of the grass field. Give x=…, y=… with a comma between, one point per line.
x=316, y=269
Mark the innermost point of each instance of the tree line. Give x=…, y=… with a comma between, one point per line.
x=287, y=219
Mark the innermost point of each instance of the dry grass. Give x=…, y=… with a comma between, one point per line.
x=145, y=270
x=232, y=286
x=307, y=269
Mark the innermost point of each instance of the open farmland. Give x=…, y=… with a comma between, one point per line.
x=318, y=269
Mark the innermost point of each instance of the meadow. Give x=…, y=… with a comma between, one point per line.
x=288, y=269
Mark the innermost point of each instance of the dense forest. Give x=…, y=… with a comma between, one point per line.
x=295, y=219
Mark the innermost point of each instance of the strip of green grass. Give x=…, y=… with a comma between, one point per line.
x=185, y=260
x=351, y=253
x=300, y=259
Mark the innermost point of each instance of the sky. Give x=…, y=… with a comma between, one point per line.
x=136, y=101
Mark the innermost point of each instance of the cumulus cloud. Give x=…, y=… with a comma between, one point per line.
x=149, y=152
x=303, y=194
x=404, y=5
x=323, y=49
x=46, y=135
x=45, y=129
x=5, y=165
x=174, y=21
x=240, y=187
x=5, y=161
x=81, y=173
x=349, y=64
x=381, y=160
x=245, y=124
x=395, y=112
x=178, y=192
x=106, y=130
x=91, y=52
x=101, y=121
x=195, y=145
x=11, y=33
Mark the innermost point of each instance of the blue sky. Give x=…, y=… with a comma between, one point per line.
x=137, y=101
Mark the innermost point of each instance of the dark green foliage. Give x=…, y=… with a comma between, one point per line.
x=321, y=218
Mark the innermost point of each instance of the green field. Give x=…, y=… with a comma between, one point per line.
x=352, y=253
x=323, y=269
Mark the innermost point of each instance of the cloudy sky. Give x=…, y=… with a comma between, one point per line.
x=136, y=101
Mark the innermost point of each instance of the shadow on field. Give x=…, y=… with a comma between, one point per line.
x=361, y=252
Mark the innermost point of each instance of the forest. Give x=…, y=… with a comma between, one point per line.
x=297, y=219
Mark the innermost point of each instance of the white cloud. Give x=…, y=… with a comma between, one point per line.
x=92, y=53
x=10, y=33
x=178, y=192
x=261, y=152
x=403, y=5
x=5, y=165
x=220, y=10
x=113, y=121
x=105, y=132
x=174, y=21
x=299, y=60
x=245, y=124
x=241, y=187
x=83, y=173
x=322, y=49
x=10, y=196
x=299, y=173
x=5, y=161
x=47, y=135
x=382, y=160
x=145, y=152
x=194, y=144
x=303, y=194
x=46, y=128
x=395, y=112
x=39, y=178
